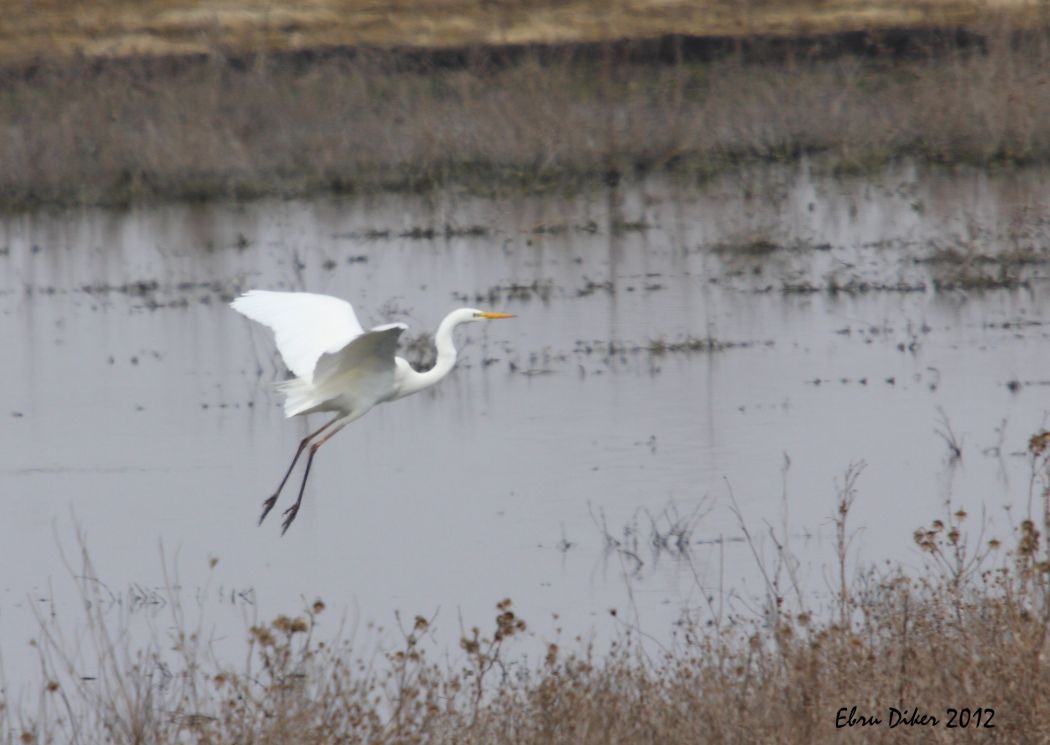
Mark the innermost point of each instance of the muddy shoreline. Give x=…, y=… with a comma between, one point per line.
x=898, y=43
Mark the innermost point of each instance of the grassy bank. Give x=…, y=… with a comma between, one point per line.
x=198, y=128
x=966, y=632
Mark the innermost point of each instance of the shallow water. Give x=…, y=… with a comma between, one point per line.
x=848, y=324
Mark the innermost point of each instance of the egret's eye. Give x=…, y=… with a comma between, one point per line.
x=477, y=315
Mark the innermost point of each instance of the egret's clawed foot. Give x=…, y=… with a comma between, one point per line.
x=289, y=516
x=267, y=506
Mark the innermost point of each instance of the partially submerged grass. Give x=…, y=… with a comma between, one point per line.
x=969, y=632
x=973, y=269
x=553, y=118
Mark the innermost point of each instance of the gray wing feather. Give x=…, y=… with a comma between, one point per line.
x=370, y=355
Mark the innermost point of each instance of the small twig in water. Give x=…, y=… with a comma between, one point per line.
x=946, y=433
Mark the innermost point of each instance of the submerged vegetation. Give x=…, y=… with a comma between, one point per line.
x=112, y=131
x=954, y=649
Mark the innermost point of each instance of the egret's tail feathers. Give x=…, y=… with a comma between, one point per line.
x=298, y=396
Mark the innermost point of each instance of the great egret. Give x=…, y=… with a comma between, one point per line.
x=338, y=366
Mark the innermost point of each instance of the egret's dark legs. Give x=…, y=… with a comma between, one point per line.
x=291, y=512
x=269, y=503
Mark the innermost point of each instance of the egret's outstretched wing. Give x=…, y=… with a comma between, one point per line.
x=305, y=325
x=372, y=352
x=352, y=379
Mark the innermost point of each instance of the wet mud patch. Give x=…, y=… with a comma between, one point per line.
x=761, y=247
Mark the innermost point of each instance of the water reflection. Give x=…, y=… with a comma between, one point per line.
x=138, y=406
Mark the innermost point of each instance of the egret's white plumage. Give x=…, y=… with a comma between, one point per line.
x=305, y=325
x=351, y=379
x=340, y=367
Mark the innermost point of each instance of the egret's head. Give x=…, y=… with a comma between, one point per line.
x=481, y=315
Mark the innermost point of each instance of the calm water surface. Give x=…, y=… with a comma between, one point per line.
x=848, y=321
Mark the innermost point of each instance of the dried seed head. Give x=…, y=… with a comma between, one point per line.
x=263, y=636
x=1029, y=542
x=1038, y=442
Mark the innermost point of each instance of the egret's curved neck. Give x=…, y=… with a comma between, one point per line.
x=446, y=357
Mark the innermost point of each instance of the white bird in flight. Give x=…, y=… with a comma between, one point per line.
x=338, y=366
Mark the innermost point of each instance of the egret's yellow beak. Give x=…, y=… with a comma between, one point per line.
x=494, y=316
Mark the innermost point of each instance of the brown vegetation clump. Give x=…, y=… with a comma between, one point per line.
x=200, y=127
x=955, y=654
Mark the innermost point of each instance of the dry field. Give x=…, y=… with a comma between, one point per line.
x=214, y=126
x=116, y=28
x=113, y=102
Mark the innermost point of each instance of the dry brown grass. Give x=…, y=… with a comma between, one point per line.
x=969, y=632
x=117, y=28
x=198, y=128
